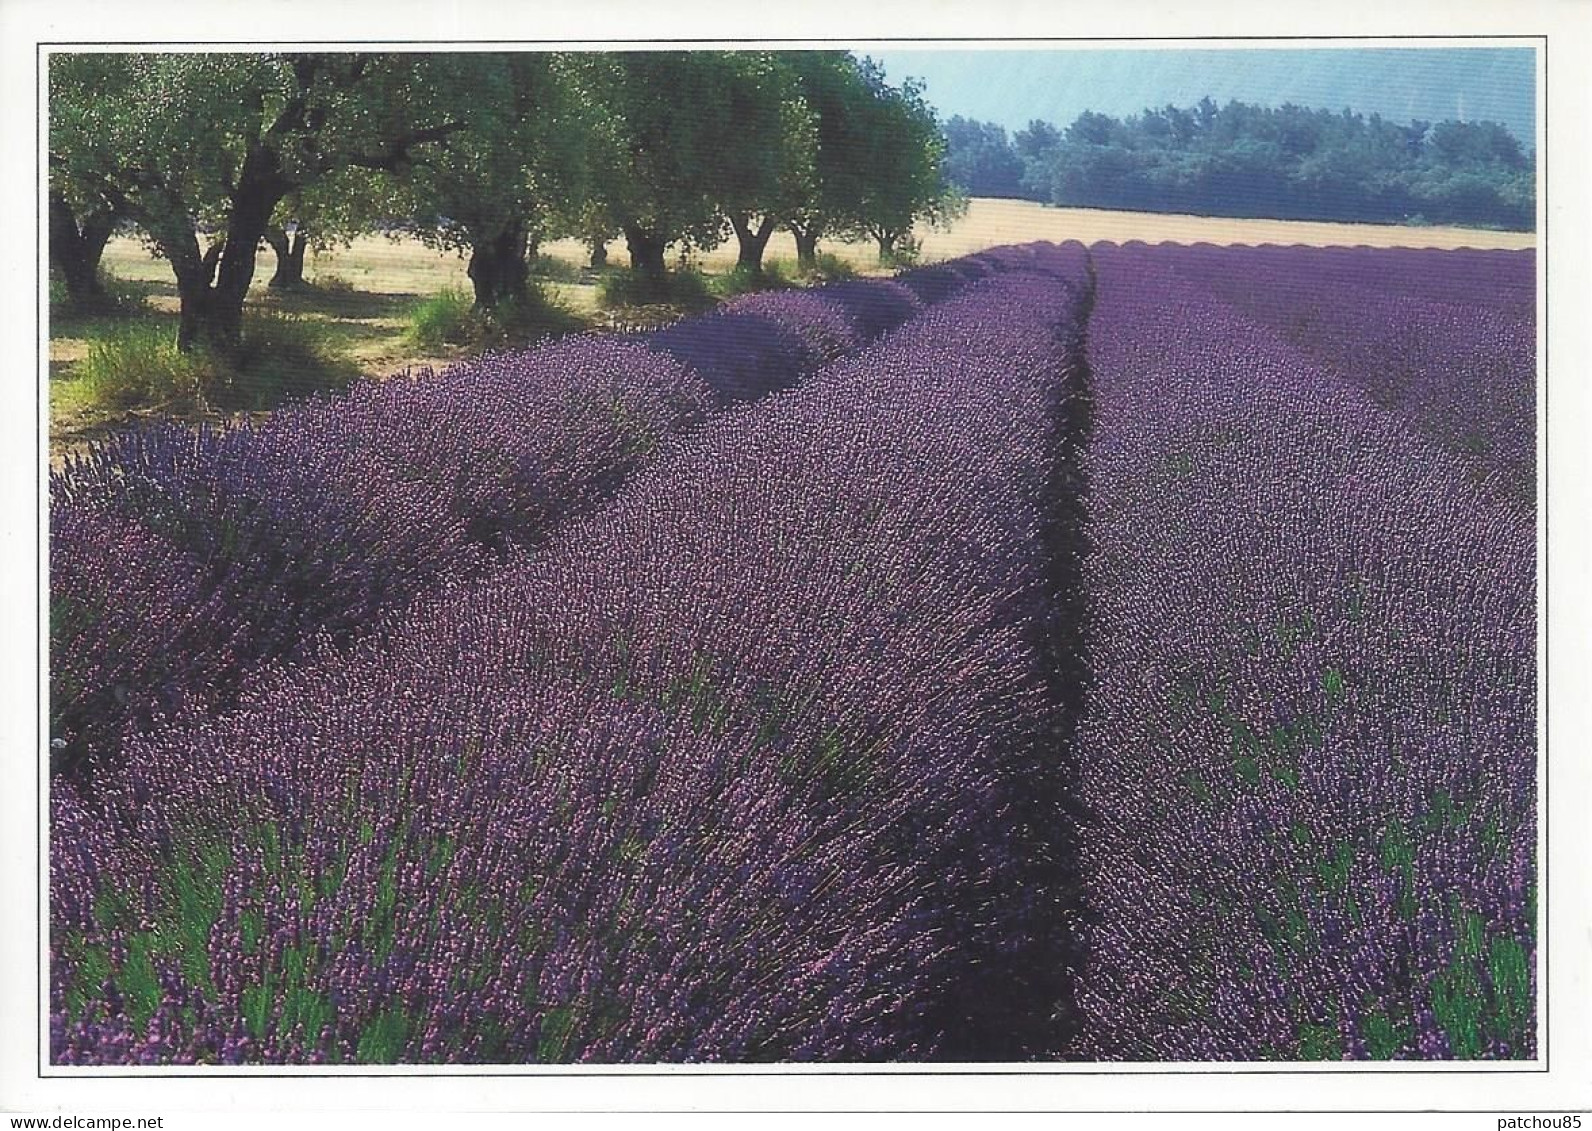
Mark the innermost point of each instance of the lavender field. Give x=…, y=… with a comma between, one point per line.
x=1057, y=654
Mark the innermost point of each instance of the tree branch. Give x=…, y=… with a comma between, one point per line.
x=397, y=151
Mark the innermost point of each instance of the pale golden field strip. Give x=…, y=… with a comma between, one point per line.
x=990, y=223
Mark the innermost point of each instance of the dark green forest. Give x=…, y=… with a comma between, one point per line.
x=1243, y=160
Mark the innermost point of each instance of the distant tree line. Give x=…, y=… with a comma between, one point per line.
x=211, y=157
x=1243, y=160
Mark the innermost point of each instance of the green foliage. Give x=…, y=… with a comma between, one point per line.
x=1383, y=1038
x=486, y=153
x=447, y=318
x=905, y=180
x=450, y=318
x=383, y=1038
x=184, y=143
x=118, y=298
x=903, y=253
x=685, y=290
x=1319, y=1042
x=555, y=269
x=282, y=358
x=138, y=365
x=1509, y=978
x=557, y=1025
x=138, y=981
x=673, y=137
x=836, y=90
x=1484, y=991
x=774, y=276
x=980, y=161
x=539, y=315
x=333, y=284
x=1290, y=162
x=519, y=173
x=829, y=268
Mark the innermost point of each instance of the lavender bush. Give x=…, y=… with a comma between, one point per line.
x=1444, y=339
x=757, y=762
x=1310, y=743
x=957, y=703
x=330, y=512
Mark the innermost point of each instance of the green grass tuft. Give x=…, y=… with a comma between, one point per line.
x=447, y=318
x=829, y=268
x=283, y=358
x=333, y=284
x=541, y=315
x=557, y=270
x=450, y=318
x=139, y=365
x=775, y=276
x=118, y=298
x=686, y=290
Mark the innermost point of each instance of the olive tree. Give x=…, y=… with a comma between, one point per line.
x=768, y=161
x=668, y=152
x=513, y=179
x=877, y=166
x=200, y=149
x=905, y=171
x=829, y=198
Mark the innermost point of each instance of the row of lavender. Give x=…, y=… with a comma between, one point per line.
x=751, y=764
x=1310, y=741
x=1452, y=349
x=180, y=562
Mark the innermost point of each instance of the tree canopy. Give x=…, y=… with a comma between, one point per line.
x=193, y=146
x=487, y=153
x=1289, y=162
x=513, y=178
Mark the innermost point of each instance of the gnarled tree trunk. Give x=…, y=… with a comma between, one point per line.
x=499, y=270
x=289, y=258
x=76, y=244
x=806, y=245
x=646, y=257
x=211, y=287
x=260, y=190
x=753, y=241
x=196, y=295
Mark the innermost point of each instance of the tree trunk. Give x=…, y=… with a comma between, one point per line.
x=599, y=253
x=289, y=274
x=806, y=246
x=753, y=241
x=212, y=287
x=195, y=293
x=260, y=189
x=886, y=245
x=498, y=268
x=646, y=258
x=76, y=245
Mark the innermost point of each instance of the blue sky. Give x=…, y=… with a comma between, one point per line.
x=1010, y=87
